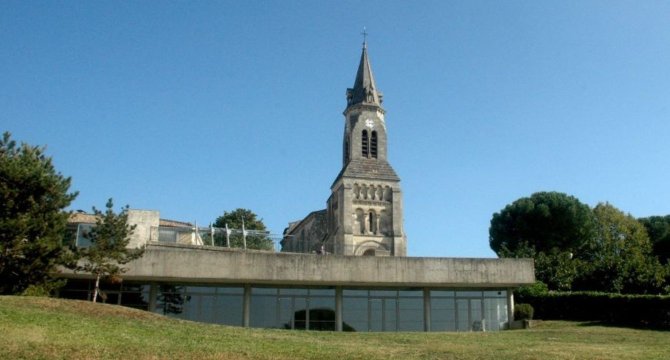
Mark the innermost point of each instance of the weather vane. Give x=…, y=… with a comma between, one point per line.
x=365, y=37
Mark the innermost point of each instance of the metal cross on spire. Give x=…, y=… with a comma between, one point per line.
x=365, y=38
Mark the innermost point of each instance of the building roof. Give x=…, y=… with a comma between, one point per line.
x=364, y=90
x=82, y=218
x=372, y=169
x=85, y=218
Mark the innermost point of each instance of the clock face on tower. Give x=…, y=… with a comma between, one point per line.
x=369, y=123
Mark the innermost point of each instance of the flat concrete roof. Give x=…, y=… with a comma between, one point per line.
x=214, y=265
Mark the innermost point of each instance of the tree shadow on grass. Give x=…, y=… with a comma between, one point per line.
x=637, y=326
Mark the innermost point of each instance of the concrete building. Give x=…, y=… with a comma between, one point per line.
x=317, y=282
x=267, y=289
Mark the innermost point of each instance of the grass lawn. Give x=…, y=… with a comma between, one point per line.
x=43, y=328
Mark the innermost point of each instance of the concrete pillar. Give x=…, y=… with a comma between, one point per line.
x=510, y=307
x=426, y=309
x=338, y=308
x=246, y=306
x=153, y=296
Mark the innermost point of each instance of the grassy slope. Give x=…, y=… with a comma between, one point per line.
x=54, y=328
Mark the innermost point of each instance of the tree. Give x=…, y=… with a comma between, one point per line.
x=557, y=269
x=109, y=246
x=619, y=258
x=542, y=222
x=658, y=229
x=549, y=227
x=33, y=196
x=257, y=238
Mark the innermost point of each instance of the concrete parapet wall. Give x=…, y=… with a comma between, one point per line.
x=145, y=222
x=215, y=265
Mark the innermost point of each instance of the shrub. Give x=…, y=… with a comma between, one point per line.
x=648, y=311
x=523, y=312
x=44, y=289
x=537, y=289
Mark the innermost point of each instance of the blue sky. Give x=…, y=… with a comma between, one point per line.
x=193, y=108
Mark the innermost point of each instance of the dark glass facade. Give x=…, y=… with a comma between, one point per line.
x=312, y=308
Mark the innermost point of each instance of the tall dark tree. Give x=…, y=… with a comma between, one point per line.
x=33, y=196
x=658, y=229
x=109, y=245
x=543, y=222
x=256, y=238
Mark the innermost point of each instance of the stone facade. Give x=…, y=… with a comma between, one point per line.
x=308, y=235
x=364, y=210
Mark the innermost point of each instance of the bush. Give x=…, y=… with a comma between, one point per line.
x=537, y=289
x=649, y=311
x=523, y=312
x=45, y=289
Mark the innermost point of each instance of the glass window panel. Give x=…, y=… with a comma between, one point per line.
x=322, y=313
x=355, y=313
x=410, y=312
x=383, y=293
x=264, y=291
x=497, y=293
x=411, y=293
x=322, y=292
x=495, y=313
x=172, y=300
x=229, y=309
x=462, y=315
x=167, y=235
x=468, y=294
x=301, y=313
x=134, y=297
x=442, y=314
x=263, y=311
x=376, y=315
x=230, y=290
x=349, y=292
x=441, y=293
x=292, y=291
x=82, y=230
x=476, y=315
x=286, y=313
x=390, y=321
x=203, y=305
x=200, y=289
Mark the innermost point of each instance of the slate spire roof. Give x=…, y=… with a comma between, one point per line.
x=364, y=90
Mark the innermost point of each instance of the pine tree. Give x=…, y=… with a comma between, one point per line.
x=109, y=246
x=33, y=196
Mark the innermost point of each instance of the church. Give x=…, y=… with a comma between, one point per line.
x=364, y=211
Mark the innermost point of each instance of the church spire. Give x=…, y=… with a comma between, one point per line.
x=364, y=90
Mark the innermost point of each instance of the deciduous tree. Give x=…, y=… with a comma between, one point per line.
x=619, y=258
x=658, y=229
x=256, y=238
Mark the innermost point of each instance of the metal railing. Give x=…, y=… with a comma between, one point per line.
x=215, y=236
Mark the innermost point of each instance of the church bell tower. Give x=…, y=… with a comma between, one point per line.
x=365, y=205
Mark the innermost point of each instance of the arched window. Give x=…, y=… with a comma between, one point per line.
x=373, y=145
x=369, y=252
x=372, y=222
x=365, y=144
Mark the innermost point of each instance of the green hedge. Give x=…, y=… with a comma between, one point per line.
x=631, y=310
